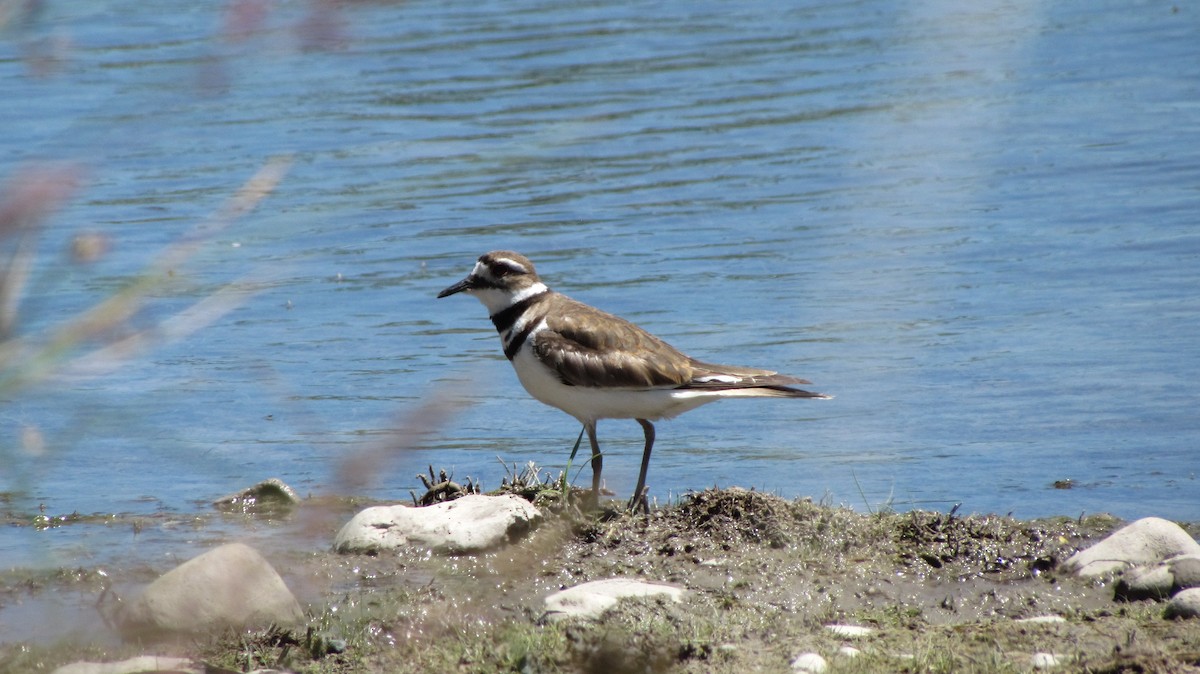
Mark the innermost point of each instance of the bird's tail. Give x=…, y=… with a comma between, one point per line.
x=770, y=392
x=747, y=382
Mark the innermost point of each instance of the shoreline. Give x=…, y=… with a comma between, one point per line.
x=766, y=580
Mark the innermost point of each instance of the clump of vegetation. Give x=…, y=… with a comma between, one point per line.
x=442, y=488
x=550, y=492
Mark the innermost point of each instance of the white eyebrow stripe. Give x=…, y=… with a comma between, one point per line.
x=513, y=264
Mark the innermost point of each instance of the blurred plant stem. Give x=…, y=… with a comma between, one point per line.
x=101, y=337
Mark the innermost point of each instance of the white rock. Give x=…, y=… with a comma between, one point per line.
x=849, y=652
x=469, y=524
x=589, y=600
x=1146, y=541
x=812, y=663
x=1186, y=604
x=1043, y=619
x=850, y=631
x=1045, y=660
x=144, y=663
x=230, y=586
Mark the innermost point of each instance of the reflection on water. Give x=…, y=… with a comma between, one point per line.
x=973, y=225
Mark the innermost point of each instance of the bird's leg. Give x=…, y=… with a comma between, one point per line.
x=639, y=495
x=597, y=458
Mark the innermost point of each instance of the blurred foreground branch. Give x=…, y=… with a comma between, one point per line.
x=427, y=417
x=25, y=205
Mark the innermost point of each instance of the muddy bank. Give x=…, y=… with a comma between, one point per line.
x=764, y=580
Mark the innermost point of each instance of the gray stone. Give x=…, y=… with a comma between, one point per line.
x=1186, y=604
x=1144, y=582
x=1161, y=581
x=144, y=663
x=1186, y=571
x=230, y=586
x=269, y=496
x=809, y=663
x=469, y=524
x=1147, y=541
x=590, y=600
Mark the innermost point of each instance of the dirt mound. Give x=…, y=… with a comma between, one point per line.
x=751, y=516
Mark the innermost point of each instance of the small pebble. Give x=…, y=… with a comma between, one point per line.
x=1045, y=660
x=145, y=663
x=811, y=663
x=850, y=631
x=1043, y=619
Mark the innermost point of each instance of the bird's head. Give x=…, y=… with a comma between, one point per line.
x=500, y=279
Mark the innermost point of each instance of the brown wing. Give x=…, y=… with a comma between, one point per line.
x=588, y=347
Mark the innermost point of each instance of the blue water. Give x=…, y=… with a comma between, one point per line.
x=975, y=225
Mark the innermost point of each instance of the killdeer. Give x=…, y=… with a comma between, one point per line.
x=594, y=365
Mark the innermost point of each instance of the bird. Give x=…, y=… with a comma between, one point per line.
x=594, y=365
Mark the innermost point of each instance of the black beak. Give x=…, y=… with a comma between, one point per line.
x=465, y=284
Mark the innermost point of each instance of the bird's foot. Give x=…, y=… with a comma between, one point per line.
x=639, y=502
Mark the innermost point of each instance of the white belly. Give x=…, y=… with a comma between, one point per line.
x=591, y=404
